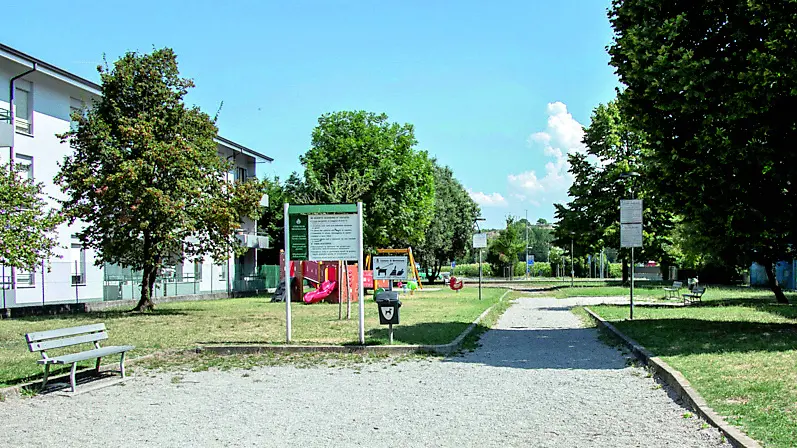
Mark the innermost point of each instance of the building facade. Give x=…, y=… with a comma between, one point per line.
x=44, y=99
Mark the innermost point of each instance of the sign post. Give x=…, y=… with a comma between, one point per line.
x=631, y=234
x=323, y=232
x=480, y=242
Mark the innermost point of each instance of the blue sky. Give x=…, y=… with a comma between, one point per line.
x=496, y=90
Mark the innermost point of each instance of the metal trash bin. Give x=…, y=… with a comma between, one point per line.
x=388, y=304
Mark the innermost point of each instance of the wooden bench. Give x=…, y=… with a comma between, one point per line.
x=42, y=341
x=673, y=291
x=694, y=295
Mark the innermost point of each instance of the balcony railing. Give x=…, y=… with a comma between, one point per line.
x=5, y=116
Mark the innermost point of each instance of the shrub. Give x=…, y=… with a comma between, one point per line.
x=470, y=270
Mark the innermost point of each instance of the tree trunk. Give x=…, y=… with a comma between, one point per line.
x=773, y=283
x=147, y=283
x=625, y=271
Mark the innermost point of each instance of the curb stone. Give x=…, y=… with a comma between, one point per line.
x=444, y=349
x=681, y=386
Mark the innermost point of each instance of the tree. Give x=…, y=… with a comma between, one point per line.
x=27, y=223
x=361, y=156
x=504, y=249
x=449, y=234
x=711, y=83
x=272, y=218
x=592, y=217
x=145, y=176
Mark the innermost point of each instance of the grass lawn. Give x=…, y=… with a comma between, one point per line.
x=434, y=317
x=647, y=292
x=742, y=358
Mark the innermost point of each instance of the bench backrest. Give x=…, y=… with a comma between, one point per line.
x=41, y=341
x=677, y=284
x=698, y=290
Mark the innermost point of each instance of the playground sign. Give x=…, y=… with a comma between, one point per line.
x=479, y=240
x=390, y=268
x=324, y=232
x=324, y=237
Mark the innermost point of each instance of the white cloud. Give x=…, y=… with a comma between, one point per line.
x=487, y=200
x=562, y=136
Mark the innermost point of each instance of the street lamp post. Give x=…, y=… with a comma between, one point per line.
x=527, y=244
x=476, y=221
x=572, y=268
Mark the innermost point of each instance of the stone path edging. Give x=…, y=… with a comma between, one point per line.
x=680, y=385
x=444, y=349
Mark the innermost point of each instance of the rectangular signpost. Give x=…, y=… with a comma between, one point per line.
x=323, y=232
x=631, y=233
x=480, y=242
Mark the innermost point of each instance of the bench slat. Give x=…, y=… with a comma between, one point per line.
x=63, y=332
x=66, y=342
x=88, y=354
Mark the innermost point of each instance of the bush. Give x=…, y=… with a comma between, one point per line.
x=470, y=270
x=615, y=270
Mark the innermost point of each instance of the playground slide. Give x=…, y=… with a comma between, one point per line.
x=319, y=294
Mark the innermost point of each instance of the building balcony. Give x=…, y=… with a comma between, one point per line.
x=6, y=129
x=253, y=241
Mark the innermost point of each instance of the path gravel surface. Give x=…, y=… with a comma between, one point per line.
x=538, y=380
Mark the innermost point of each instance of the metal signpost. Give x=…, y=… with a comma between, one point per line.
x=323, y=232
x=480, y=242
x=631, y=233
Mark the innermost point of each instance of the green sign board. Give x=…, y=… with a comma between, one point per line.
x=298, y=237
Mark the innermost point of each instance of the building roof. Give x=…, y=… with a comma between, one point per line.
x=45, y=67
x=242, y=148
x=96, y=88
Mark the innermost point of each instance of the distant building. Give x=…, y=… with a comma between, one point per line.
x=44, y=100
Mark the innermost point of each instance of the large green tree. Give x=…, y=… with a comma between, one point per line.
x=712, y=83
x=27, y=222
x=449, y=234
x=145, y=176
x=592, y=216
x=361, y=156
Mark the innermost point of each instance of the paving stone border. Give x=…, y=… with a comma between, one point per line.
x=680, y=385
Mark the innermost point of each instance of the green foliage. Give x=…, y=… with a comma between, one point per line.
x=592, y=217
x=470, y=270
x=711, y=83
x=27, y=223
x=503, y=251
x=145, y=176
x=361, y=156
x=272, y=221
x=449, y=234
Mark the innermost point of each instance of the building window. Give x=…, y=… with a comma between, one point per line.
x=78, y=264
x=197, y=270
x=23, y=102
x=240, y=174
x=25, y=278
x=223, y=271
x=26, y=165
x=76, y=107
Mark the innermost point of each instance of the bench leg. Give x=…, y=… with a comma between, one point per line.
x=72, y=376
x=46, y=374
x=97, y=369
x=122, y=365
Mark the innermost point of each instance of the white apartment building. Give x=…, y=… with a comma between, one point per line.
x=44, y=99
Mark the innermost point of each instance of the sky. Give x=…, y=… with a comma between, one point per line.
x=498, y=91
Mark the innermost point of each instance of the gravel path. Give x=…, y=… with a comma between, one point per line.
x=538, y=380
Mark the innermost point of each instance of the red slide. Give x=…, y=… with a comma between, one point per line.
x=319, y=294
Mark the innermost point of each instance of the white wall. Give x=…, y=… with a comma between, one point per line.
x=51, y=110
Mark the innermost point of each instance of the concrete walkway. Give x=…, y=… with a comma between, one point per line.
x=539, y=380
